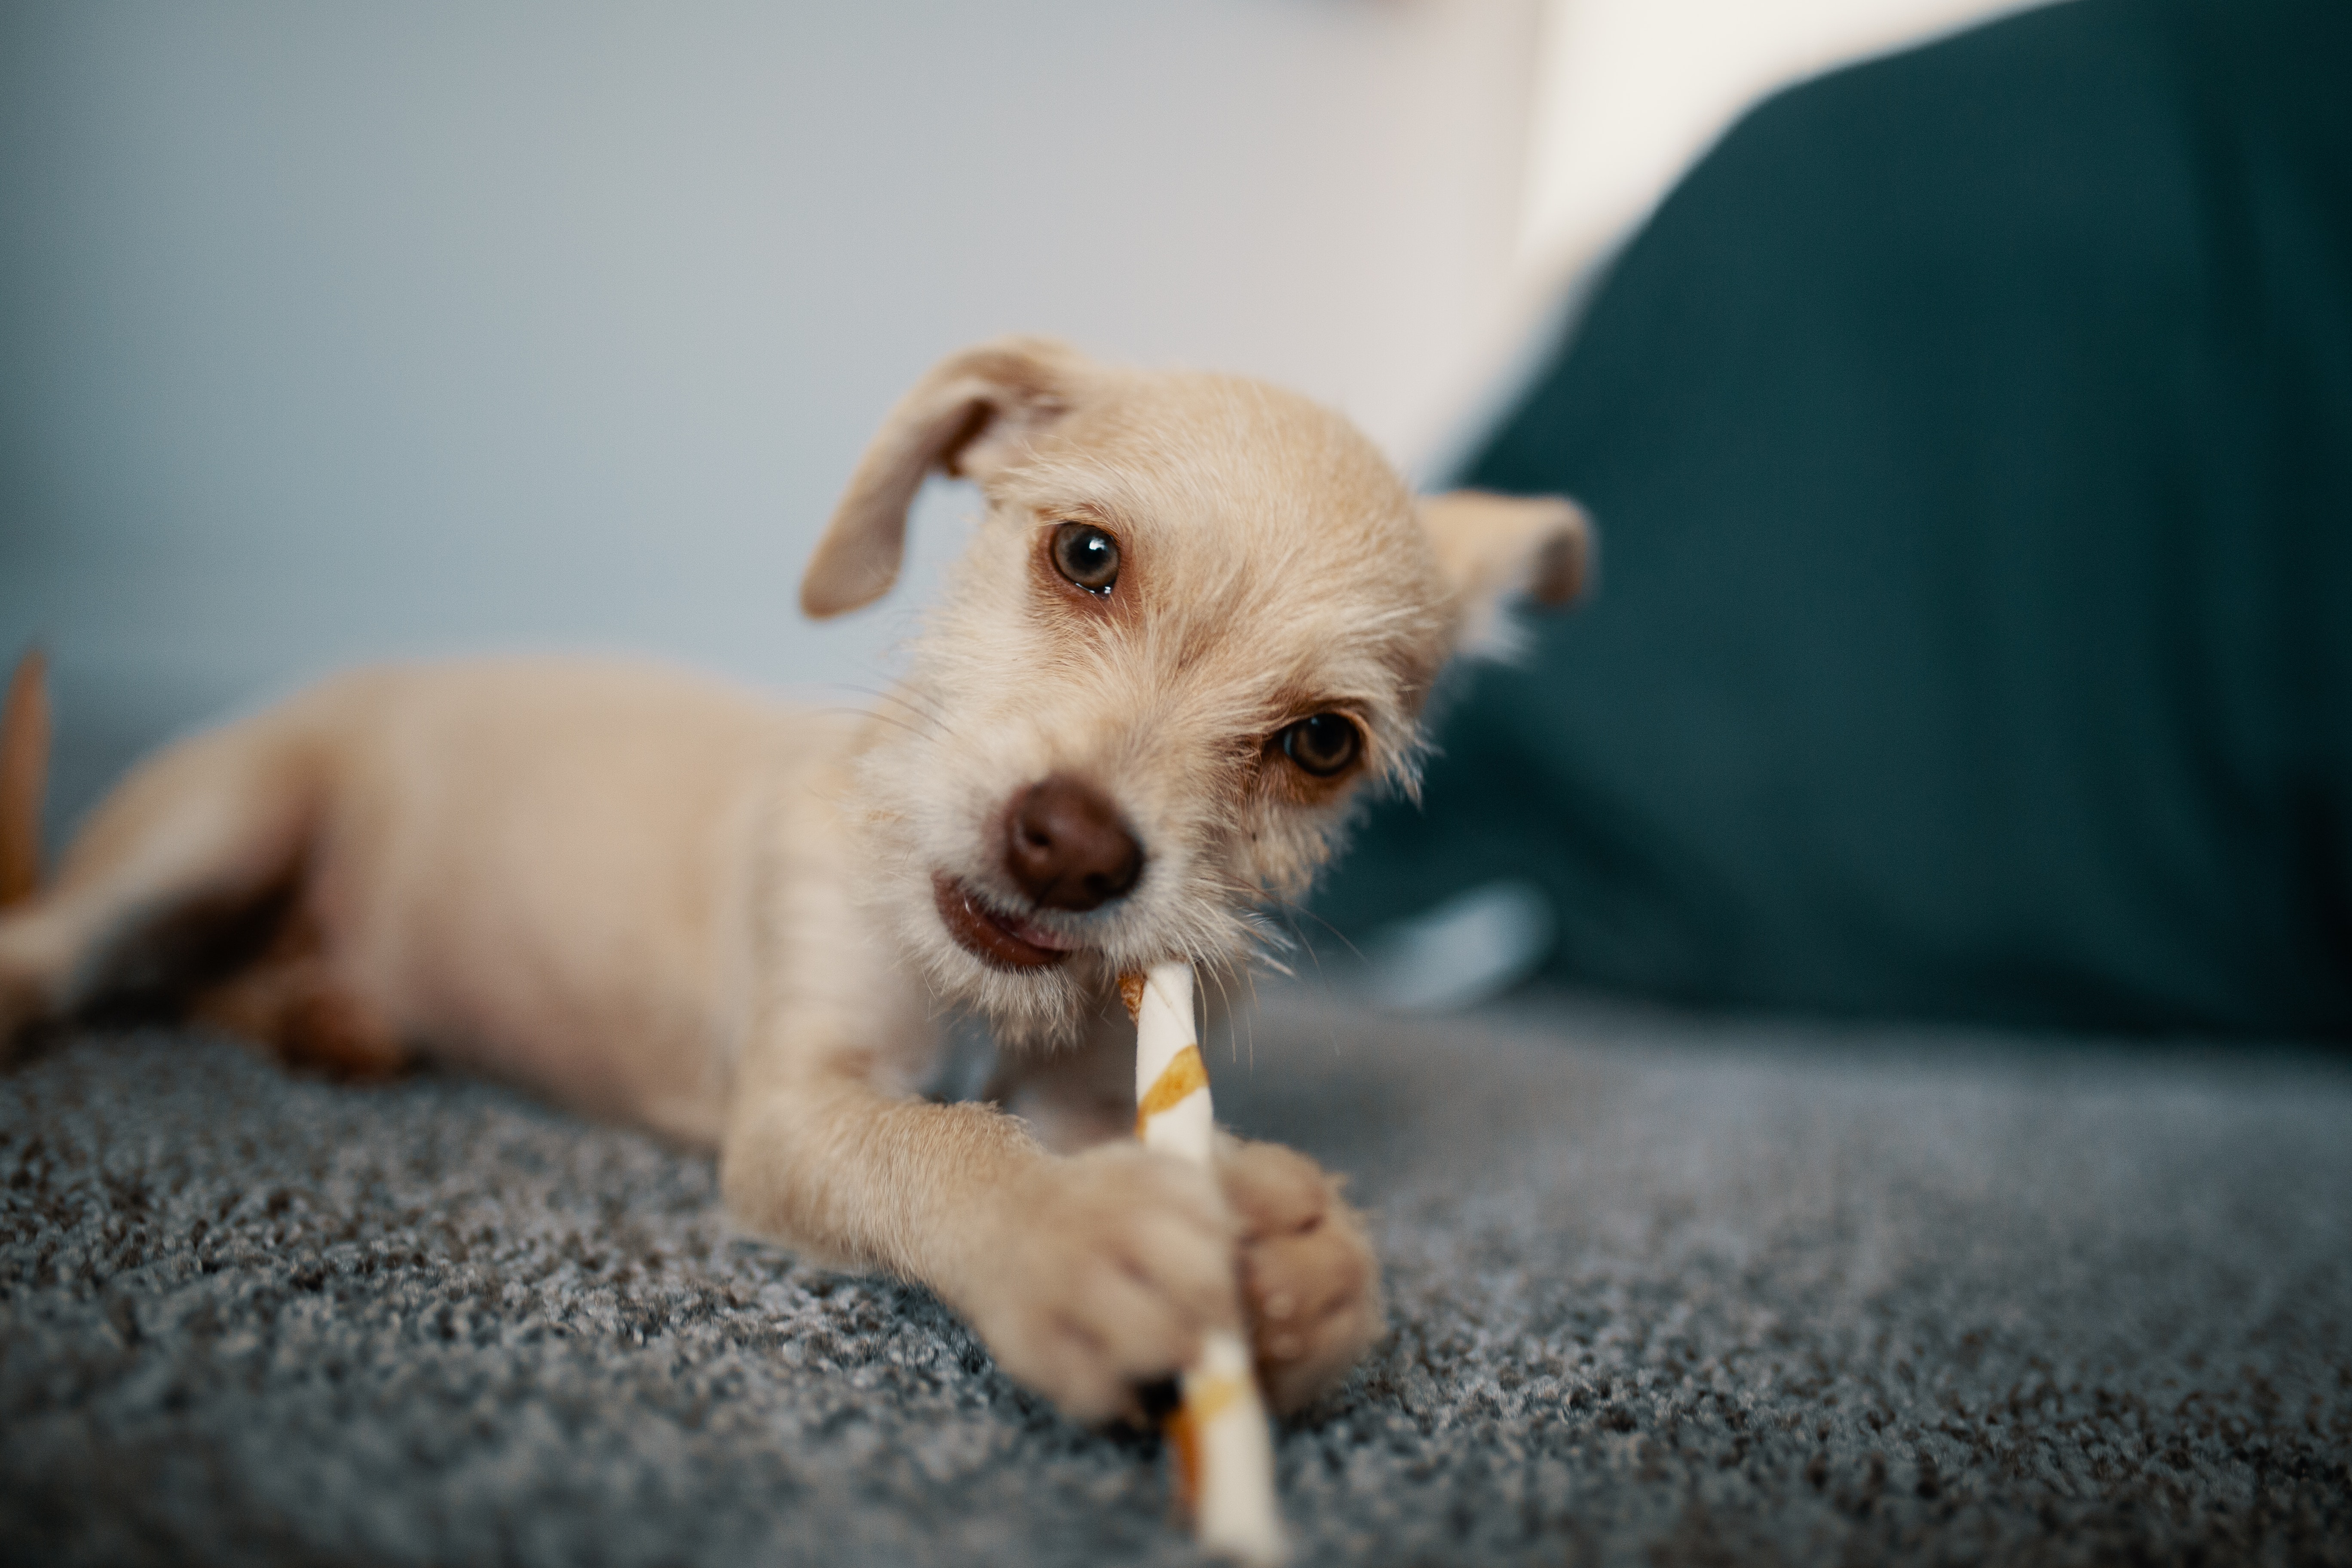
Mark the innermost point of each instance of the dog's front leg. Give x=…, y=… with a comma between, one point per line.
x=1085, y=1275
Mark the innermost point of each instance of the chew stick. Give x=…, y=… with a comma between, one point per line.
x=1224, y=1452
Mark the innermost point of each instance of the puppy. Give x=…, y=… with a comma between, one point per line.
x=1199, y=617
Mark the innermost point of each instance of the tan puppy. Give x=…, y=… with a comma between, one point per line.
x=1198, y=617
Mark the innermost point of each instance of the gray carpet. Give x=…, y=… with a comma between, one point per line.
x=1665, y=1292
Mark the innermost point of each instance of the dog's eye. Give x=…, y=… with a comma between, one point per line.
x=1087, y=556
x=1322, y=744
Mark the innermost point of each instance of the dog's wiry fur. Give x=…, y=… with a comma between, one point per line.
x=656, y=899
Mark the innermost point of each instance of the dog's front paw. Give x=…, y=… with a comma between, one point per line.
x=1310, y=1278
x=1102, y=1275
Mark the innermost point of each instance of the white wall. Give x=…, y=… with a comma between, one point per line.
x=1629, y=93
x=334, y=332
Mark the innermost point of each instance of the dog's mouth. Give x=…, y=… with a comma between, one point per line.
x=992, y=936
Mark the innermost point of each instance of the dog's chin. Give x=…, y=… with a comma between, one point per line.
x=1035, y=987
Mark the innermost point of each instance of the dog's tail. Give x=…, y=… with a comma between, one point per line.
x=24, y=777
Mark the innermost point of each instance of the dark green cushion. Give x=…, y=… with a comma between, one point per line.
x=1970, y=437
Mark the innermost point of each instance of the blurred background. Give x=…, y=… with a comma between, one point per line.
x=337, y=333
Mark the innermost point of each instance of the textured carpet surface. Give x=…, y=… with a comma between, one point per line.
x=1664, y=1291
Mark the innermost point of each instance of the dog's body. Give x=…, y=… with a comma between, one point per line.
x=1198, y=615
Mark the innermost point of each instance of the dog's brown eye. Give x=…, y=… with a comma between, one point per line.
x=1322, y=744
x=1087, y=556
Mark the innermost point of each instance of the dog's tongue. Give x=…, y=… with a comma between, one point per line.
x=1030, y=931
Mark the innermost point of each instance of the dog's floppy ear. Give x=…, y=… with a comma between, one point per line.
x=970, y=417
x=1493, y=547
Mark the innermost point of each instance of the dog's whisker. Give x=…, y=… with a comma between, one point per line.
x=1215, y=976
x=899, y=697
x=897, y=691
x=1296, y=909
x=878, y=718
x=905, y=697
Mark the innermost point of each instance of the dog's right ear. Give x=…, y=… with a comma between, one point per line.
x=1492, y=548
x=970, y=416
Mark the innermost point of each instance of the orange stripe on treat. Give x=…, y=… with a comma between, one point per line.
x=1203, y=1404
x=1182, y=1074
x=1184, y=1437
x=1130, y=991
x=1207, y=1399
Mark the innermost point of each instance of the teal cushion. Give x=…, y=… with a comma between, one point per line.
x=1971, y=437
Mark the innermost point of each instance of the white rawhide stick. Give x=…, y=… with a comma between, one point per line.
x=1225, y=1451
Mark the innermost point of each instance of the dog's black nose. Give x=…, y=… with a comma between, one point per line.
x=1067, y=847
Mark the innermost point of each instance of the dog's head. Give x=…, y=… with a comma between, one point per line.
x=1200, y=617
